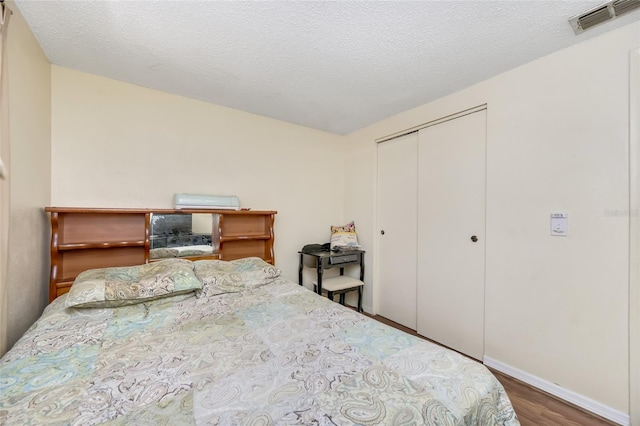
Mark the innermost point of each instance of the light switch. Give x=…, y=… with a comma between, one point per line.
x=559, y=224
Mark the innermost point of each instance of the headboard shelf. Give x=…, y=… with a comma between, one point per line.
x=81, y=246
x=87, y=238
x=246, y=237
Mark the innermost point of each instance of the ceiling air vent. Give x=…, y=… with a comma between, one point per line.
x=602, y=13
x=624, y=6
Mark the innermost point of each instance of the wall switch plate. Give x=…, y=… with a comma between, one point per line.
x=559, y=224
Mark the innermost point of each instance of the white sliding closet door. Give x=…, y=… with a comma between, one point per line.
x=451, y=215
x=397, y=228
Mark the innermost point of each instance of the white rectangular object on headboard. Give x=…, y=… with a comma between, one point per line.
x=198, y=201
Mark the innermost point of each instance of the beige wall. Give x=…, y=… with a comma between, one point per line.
x=30, y=184
x=120, y=145
x=557, y=142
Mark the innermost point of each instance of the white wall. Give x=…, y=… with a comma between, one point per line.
x=119, y=145
x=557, y=142
x=30, y=176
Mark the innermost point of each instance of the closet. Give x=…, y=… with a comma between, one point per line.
x=432, y=256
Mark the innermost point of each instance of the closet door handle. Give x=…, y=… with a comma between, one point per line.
x=474, y=238
x=382, y=232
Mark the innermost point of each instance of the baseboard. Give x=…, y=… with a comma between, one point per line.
x=571, y=397
x=365, y=309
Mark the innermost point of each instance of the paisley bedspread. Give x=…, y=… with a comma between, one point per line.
x=277, y=354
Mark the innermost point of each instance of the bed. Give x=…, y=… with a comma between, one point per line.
x=242, y=346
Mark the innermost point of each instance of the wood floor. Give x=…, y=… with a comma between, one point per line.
x=533, y=407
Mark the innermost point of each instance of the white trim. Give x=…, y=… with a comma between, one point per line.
x=432, y=123
x=375, y=293
x=560, y=392
x=634, y=236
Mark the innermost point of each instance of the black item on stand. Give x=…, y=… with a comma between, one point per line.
x=315, y=248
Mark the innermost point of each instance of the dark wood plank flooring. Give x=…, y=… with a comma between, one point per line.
x=533, y=407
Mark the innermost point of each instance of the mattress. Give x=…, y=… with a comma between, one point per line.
x=276, y=354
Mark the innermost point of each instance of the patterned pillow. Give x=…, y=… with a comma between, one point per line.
x=344, y=236
x=219, y=276
x=113, y=287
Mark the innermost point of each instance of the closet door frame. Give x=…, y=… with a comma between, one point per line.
x=634, y=237
x=376, y=255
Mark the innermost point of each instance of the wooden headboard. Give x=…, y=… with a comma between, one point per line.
x=88, y=238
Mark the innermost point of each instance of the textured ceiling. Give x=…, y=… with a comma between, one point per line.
x=334, y=66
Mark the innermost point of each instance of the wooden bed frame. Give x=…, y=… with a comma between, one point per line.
x=88, y=238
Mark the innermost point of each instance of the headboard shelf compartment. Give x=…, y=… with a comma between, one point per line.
x=88, y=238
x=238, y=249
x=81, y=228
x=246, y=235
